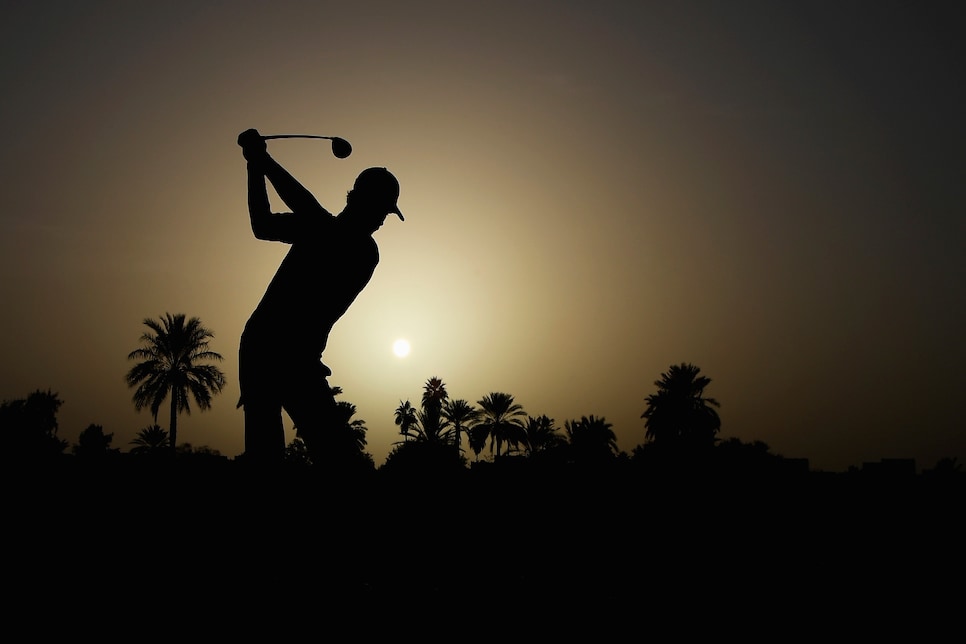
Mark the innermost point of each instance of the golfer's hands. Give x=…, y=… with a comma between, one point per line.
x=252, y=145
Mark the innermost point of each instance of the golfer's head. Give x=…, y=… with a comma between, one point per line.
x=375, y=192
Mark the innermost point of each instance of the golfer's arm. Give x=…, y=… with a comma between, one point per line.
x=259, y=209
x=293, y=193
x=258, y=205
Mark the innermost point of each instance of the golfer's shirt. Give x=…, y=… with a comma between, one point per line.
x=323, y=272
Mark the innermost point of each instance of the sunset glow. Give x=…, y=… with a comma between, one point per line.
x=592, y=192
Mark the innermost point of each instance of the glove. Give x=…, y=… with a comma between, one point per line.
x=253, y=145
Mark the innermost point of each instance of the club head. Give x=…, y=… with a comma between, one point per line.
x=340, y=147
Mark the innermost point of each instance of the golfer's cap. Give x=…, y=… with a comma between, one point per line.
x=379, y=183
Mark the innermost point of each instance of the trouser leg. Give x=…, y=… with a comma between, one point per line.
x=264, y=433
x=318, y=422
x=258, y=378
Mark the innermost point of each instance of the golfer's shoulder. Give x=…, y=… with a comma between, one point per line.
x=318, y=225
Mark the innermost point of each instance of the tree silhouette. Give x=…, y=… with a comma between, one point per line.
x=542, y=435
x=428, y=423
x=356, y=428
x=297, y=452
x=678, y=414
x=94, y=443
x=151, y=440
x=172, y=366
x=460, y=415
x=734, y=456
x=431, y=433
x=591, y=439
x=406, y=418
x=28, y=427
x=344, y=443
x=501, y=421
x=476, y=439
x=947, y=468
x=431, y=416
x=201, y=450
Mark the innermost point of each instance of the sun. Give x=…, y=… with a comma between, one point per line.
x=401, y=347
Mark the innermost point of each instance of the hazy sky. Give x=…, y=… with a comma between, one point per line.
x=593, y=192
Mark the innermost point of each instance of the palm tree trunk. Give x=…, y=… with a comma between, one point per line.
x=173, y=433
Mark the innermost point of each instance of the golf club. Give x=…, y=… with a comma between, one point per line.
x=340, y=147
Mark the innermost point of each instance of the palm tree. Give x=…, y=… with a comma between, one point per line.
x=500, y=420
x=406, y=418
x=679, y=415
x=426, y=424
x=476, y=437
x=434, y=393
x=431, y=417
x=357, y=428
x=171, y=366
x=591, y=439
x=542, y=435
x=460, y=415
x=434, y=429
x=150, y=440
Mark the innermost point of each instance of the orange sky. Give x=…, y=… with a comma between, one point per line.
x=593, y=192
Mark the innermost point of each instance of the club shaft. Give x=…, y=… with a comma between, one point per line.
x=295, y=136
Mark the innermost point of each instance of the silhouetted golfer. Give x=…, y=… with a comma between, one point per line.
x=330, y=261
